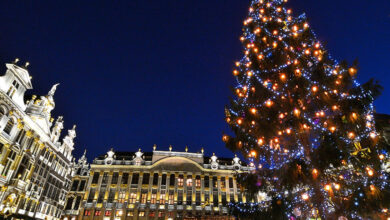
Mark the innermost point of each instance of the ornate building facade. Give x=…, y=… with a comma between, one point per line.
x=155, y=185
x=35, y=166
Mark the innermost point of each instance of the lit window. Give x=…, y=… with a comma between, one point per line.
x=152, y=214
x=143, y=198
x=197, y=182
x=170, y=201
x=223, y=183
x=87, y=213
x=180, y=181
x=119, y=213
x=133, y=198
x=189, y=181
x=98, y=213
x=153, y=198
x=162, y=198
x=107, y=213
x=121, y=196
x=130, y=213
x=141, y=214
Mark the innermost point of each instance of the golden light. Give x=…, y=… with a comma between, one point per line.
x=354, y=115
x=327, y=187
x=307, y=52
x=250, y=73
x=370, y=172
x=317, y=45
x=258, y=30
x=372, y=187
x=225, y=138
x=279, y=9
x=288, y=131
x=381, y=156
x=260, y=141
x=314, y=88
x=289, y=11
x=235, y=72
x=351, y=135
x=228, y=120
x=253, y=153
x=269, y=103
x=306, y=25
x=373, y=135
x=239, y=121
x=242, y=38
x=276, y=140
x=305, y=196
x=305, y=126
x=297, y=112
x=281, y=116
x=315, y=171
x=335, y=107
x=237, y=63
x=322, y=113
x=261, y=56
x=253, y=110
x=275, y=44
x=262, y=11
x=283, y=76
x=253, y=122
x=295, y=28
x=332, y=129
x=352, y=71
x=279, y=133
x=369, y=117
x=341, y=177
x=337, y=186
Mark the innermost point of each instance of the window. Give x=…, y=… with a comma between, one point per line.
x=111, y=196
x=162, y=197
x=77, y=203
x=164, y=180
x=82, y=185
x=86, y=212
x=197, y=182
x=135, y=178
x=121, y=196
x=105, y=178
x=189, y=198
x=206, y=181
x=10, y=159
x=215, y=182
x=172, y=180
x=91, y=195
x=107, y=213
x=207, y=198
x=8, y=127
x=125, y=178
x=170, y=198
x=141, y=214
x=95, y=178
x=153, y=198
x=155, y=179
x=12, y=89
x=223, y=182
x=145, y=179
x=152, y=214
x=197, y=198
x=115, y=178
x=232, y=198
x=69, y=203
x=133, y=198
x=75, y=185
x=118, y=213
x=180, y=197
x=144, y=197
x=231, y=183
x=180, y=181
x=130, y=213
x=101, y=195
x=215, y=199
x=98, y=213
x=189, y=181
x=160, y=214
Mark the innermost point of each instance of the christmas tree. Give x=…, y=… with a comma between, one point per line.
x=305, y=124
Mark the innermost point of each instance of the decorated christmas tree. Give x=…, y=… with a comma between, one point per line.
x=305, y=124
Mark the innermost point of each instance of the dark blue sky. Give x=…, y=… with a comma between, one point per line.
x=135, y=73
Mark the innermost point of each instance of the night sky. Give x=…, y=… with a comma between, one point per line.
x=142, y=72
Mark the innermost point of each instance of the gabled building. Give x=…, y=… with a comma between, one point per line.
x=35, y=167
x=157, y=185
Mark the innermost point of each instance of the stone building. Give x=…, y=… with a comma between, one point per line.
x=35, y=166
x=157, y=185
